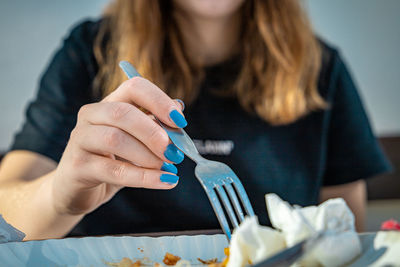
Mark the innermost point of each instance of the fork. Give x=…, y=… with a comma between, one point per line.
x=218, y=180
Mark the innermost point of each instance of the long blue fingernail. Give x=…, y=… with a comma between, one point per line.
x=174, y=154
x=169, y=178
x=177, y=118
x=168, y=167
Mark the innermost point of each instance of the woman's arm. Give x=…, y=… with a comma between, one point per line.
x=354, y=194
x=113, y=145
x=26, y=196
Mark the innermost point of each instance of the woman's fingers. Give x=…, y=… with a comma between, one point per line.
x=106, y=140
x=141, y=92
x=120, y=173
x=134, y=122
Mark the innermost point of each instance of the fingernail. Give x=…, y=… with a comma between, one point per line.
x=177, y=118
x=181, y=102
x=169, y=178
x=168, y=167
x=174, y=154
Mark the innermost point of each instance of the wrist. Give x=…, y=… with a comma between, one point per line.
x=57, y=200
x=42, y=218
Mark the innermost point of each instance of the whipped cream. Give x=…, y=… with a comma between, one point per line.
x=252, y=243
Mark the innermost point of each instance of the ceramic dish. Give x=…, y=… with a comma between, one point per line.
x=378, y=250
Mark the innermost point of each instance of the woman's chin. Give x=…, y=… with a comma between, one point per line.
x=209, y=8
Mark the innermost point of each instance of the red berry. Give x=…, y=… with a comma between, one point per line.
x=390, y=225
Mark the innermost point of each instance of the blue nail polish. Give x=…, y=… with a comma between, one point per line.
x=177, y=118
x=174, y=154
x=168, y=167
x=169, y=178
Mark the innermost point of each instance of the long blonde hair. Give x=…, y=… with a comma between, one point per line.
x=280, y=55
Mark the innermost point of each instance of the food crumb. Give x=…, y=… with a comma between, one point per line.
x=126, y=262
x=136, y=264
x=170, y=259
x=225, y=261
x=207, y=261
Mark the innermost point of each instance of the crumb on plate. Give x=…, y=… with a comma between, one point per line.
x=126, y=262
x=207, y=261
x=170, y=259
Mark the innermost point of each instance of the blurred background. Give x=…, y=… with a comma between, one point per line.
x=366, y=31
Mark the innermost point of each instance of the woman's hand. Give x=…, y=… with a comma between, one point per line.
x=115, y=144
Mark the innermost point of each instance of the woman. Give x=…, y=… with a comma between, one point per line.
x=263, y=94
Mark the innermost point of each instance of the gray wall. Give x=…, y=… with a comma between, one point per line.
x=30, y=32
x=368, y=34
x=367, y=31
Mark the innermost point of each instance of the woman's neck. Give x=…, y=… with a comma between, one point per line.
x=209, y=40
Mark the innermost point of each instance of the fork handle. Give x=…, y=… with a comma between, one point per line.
x=177, y=135
x=182, y=141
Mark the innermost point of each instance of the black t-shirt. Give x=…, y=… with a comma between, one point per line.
x=329, y=147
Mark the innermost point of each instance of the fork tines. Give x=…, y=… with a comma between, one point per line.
x=220, y=192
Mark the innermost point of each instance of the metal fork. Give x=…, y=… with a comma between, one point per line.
x=218, y=180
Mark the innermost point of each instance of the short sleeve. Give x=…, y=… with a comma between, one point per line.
x=353, y=152
x=64, y=87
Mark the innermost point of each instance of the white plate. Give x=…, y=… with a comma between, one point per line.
x=378, y=250
x=95, y=251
